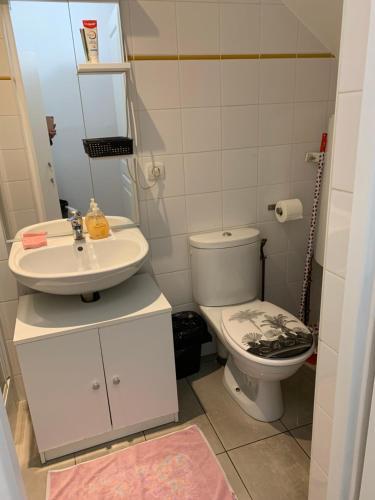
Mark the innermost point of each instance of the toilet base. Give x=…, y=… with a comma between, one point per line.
x=258, y=398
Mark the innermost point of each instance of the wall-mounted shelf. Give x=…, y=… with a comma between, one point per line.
x=100, y=68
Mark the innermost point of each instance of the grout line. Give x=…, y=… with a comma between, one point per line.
x=259, y=440
x=242, y=445
x=239, y=475
x=296, y=440
x=208, y=418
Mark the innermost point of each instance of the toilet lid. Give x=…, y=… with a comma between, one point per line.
x=266, y=330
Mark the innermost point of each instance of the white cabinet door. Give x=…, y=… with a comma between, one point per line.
x=65, y=388
x=140, y=372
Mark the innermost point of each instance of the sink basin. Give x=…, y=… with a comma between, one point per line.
x=68, y=267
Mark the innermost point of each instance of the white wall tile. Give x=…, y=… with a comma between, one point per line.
x=200, y=129
x=8, y=288
x=173, y=184
x=304, y=191
x=204, y=212
x=239, y=127
x=14, y=165
x=276, y=270
x=275, y=124
x=19, y=195
x=307, y=42
x=239, y=28
x=239, y=168
x=202, y=172
x=302, y=170
x=239, y=207
x=318, y=482
x=295, y=266
x=277, y=80
x=274, y=164
x=169, y=254
x=325, y=383
x=321, y=439
x=200, y=83
x=167, y=216
x=152, y=79
x=333, y=80
x=310, y=121
x=268, y=195
x=198, y=28
x=10, y=132
x=8, y=102
x=143, y=215
x=153, y=26
x=274, y=232
x=176, y=287
x=4, y=63
x=331, y=312
x=338, y=232
x=353, y=46
x=297, y=233
x=240, y=82
x=279, y=29
x=22, y=218
x=346, y=138
x=160, y=131
x=313, y=78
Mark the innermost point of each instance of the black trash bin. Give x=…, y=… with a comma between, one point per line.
x=189, y=333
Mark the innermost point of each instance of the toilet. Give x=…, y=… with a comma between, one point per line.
x=263, y=343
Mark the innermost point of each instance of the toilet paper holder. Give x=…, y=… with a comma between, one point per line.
x=272, y=208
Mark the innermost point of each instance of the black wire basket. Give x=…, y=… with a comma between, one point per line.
x=108, y=146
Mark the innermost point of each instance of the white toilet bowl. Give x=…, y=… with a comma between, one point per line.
x=253, y=382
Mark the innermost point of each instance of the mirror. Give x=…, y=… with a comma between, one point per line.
x=64, y=107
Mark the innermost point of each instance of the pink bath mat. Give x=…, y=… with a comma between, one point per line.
x=179, y=466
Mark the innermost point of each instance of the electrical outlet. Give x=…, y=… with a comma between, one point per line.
x=155, y=171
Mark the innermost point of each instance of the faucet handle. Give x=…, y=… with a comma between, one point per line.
x=75, y=215
x=73, y=212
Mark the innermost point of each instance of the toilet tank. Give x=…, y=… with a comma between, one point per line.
x=225, y=266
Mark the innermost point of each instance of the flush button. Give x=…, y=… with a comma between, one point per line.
x=227, y=233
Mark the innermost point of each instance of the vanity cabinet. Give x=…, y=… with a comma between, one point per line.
x=88, y=382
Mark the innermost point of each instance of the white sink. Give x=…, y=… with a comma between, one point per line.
x=68, y=267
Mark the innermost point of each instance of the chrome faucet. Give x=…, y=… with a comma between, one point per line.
x=77, y=225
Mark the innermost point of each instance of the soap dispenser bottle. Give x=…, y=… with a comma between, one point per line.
x=96, y=222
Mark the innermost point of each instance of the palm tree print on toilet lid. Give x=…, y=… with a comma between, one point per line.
x=266, y=330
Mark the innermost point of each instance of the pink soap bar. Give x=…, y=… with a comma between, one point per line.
x=34, y=240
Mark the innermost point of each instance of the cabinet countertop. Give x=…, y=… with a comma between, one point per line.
x=42, y=315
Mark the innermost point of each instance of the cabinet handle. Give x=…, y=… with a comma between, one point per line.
x=96, y=386
x=116, y=380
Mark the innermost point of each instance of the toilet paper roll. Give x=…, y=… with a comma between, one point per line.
x=287, y=210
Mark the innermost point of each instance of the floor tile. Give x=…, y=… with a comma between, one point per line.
x=191, y=413
x=35, y=476
x=303, y=436
x=275, y=468
x=233, y=426
x=233, y=477
x=298, y=393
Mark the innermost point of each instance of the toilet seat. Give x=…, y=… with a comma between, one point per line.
x=266, y=331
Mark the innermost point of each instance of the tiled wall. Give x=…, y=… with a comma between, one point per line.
x=350, y=81
x=232, y=133
x=16, y=194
